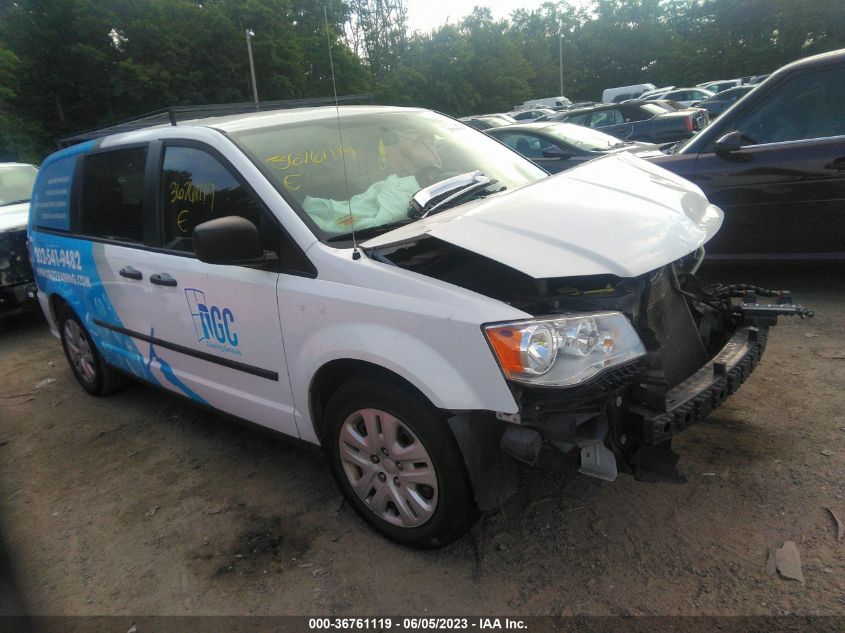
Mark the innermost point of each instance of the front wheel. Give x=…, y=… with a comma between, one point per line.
x=398, y=464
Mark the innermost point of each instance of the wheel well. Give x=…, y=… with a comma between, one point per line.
x=57, y=302
x=333, y=374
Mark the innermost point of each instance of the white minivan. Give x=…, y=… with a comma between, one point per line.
x=623, y=93
x=389, y=283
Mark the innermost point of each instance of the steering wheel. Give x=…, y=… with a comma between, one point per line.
x=429, y=175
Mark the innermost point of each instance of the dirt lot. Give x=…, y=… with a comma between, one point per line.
x=140, y=504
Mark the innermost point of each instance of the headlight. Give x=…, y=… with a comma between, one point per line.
x=563, y=351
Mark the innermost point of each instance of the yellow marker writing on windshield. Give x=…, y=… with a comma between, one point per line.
x=382, y=154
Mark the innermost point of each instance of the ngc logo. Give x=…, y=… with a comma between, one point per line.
x=213, y=325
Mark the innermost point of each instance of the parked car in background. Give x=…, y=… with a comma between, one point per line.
x=775, y=163
x=485, y=122
x=668, y=104
x=655, y=93
x=719, y=86
x=721, y=101
x=559, y=146
x=623, y=93
x=756, y=79
x=530, y=115
x=684, y=96
x=546, y=102
x=573, y=106
x=638, y=121
x=16, y=281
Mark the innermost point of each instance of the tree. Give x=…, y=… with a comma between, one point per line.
x=377, y=32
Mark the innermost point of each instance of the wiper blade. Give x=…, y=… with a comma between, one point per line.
x=11, y=202
x=436, y=196
x=370, y=231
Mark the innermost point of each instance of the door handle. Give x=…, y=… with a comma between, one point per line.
x=131, y=273
x=838, y=164
x=162, y=279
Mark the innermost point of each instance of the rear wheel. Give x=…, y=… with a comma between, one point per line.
x=86, y=363
x=398, y=464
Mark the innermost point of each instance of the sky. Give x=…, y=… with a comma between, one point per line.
x=425, y=15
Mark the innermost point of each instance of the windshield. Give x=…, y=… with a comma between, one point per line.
x=389, y=156
x=582, y=137
x=16, y=183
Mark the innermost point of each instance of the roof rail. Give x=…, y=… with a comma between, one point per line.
x=173, y=114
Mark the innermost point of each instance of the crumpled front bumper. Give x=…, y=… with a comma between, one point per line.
x=694, y=398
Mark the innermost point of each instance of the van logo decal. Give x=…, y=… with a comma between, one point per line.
x=213, y=325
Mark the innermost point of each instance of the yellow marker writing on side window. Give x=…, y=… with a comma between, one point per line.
x=182, y=219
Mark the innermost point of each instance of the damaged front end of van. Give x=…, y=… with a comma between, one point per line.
x=623, y=346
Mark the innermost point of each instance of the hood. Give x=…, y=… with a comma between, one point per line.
x=618, y=214
x=14, y=216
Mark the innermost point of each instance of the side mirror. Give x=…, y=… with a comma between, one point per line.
x=232, y=240
x=555, y=152
x=730, y=142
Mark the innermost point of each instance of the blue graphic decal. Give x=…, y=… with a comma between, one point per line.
x=50, y=205
x=167, y=370
x=66, y=267
x=213, y=326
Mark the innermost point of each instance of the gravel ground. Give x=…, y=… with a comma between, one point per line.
x=138, y=503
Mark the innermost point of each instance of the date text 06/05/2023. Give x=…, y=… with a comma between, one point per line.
x=416, y=623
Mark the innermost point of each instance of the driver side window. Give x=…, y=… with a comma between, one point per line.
x=805, y=107
x=196, y=188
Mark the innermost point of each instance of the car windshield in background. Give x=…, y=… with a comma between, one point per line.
x=581, y=137
x=388, y=157
x=16, y=183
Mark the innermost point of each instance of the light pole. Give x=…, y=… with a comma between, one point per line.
x=249, y=35
x=560, y=47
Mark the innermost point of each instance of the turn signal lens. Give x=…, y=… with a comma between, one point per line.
x=506, y=342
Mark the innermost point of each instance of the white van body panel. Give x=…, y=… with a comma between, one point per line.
x=609, y=200
x=424, y=330
x=635, y=89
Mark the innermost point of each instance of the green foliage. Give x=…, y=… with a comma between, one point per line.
x=67, y=65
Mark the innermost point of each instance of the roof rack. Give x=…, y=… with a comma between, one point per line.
x=174, y=114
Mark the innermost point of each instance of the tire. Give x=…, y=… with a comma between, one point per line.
x=397, y=463
x=87, y=364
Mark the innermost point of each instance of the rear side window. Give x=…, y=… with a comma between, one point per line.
x=113, y=195
x=196, y=188
x=578, y=119
x=603, y=118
